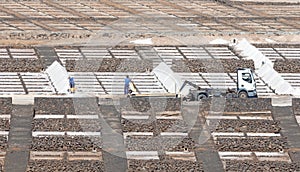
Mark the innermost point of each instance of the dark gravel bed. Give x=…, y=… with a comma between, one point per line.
x=20, y=65
x=66, y=106
x=83, y=143
x=167, y=125
x=66, y=143
x=5, y=105
x=54, y=106
x=144, y=104
x=262, y=144
x=157, y=126
x=109, y=65
x=287, y=65
x=137, y=125
x=210, y=65
x=91, y=125
x=3, y=143
x=164, y=164
x=4, y=124
x=166, y=143
x=257, y=126
x=296, y=106
x=142, y=143
x=179, y=144
x=272, y=166
x=46, y=36
x=69, y=166
x=236, y=104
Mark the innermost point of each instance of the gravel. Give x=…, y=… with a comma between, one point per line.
x=5, y=105
x=142, y=104
x=236, y=104
x=263, y=144
x=4, y=124
x=3, y=143
x=66, y=106
x=20, y=65
x=271, y=166
x=167, y=125
x=44, y=36
x=137, y=125
x=210, y=65
x=287, y=65
x=68, y=166
x=296, y=106
x=79, y=125
x=54, y=106
x=164, y=164
x=257, y=126
x=66, y=143
x=109, y=65
x=158, y=143
x=157, y=126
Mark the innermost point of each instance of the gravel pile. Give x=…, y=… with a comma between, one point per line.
x=79, y=125
x=144, y=104
x=66, y=143
x=43, y=36
x=4, y=124
x=101, y=65
x=164, y=164
x=5, y=105
x=296, y=106
x=167, y=125
x=135, y=65
x=271, y=166
x=142, y=143
x=20, y=65
x=68, y=166
x=84, y=65
x=178, y=144
x=236, y=104
x=3, y=143
x=262, y=144
x=152, y=143
x=287, y=65
x=154, y=125
x=60, y=106
x=210, y=65
x=137, y=125
x=66, y=106
x=257, y=126
x=109, y=65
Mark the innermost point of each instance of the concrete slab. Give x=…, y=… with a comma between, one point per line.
x=282, y=101
x=142, y=155
x=23, y=99
x=298, y=119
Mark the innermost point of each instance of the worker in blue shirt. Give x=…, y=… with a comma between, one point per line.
x=72, y=84
x=126, y=86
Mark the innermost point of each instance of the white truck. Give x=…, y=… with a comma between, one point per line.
x=246, y=88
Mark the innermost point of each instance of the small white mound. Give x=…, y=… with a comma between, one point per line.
x=219, y=41
x=270, y=40
x=147, y=41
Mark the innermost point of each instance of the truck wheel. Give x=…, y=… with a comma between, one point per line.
x=229, y=95
x=243, y=94
x=201, y=96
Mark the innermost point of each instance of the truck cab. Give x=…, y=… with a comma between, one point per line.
x=246, y=85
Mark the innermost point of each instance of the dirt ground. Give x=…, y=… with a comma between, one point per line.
x=158, y=40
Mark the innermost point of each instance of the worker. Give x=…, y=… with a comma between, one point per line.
x=126, y=85
x=72, y=84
